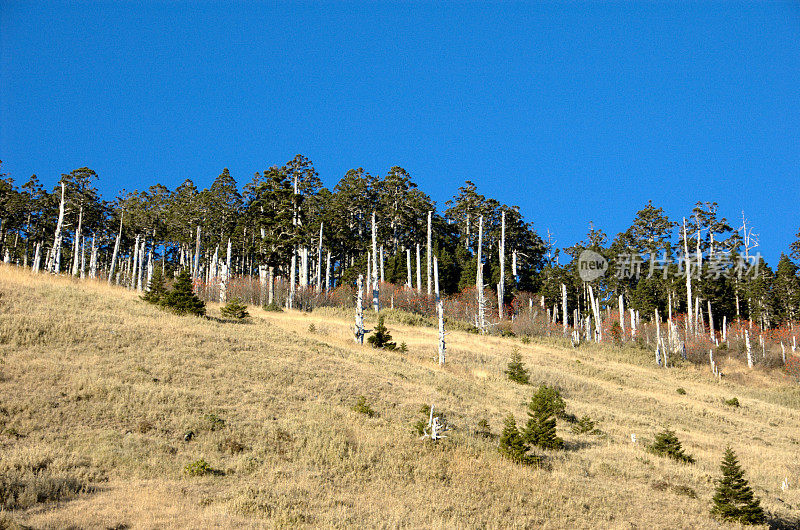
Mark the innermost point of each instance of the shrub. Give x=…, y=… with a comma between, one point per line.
x=516, y=370
x=667, y=444
x=156, y=289
x=732, y=402
x=312, y=328
x=681, y=391
x=181, y=299
x=231, y=445
x=733, y=499
x=212, y=422
x=526, y=339
x=381, y=338
x=483, y=429
x=200, y=468
x=273, y=307
x=403, y=347
x=513, y=446
x=362, y=407
x=540, y=430
x=235, y=309
x=584, y=425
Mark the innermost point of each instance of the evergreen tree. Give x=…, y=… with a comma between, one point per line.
x=381, y=338
x=156, y=289
x=733, y=499
x=516, y=370
x=667, y=444
x=540, y=430
x=182, y=299
x=512, y=444
x=235, y=309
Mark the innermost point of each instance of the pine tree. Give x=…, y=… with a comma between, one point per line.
x=540, y=430
x=733, y=499
x=182, y=299
x=235, y=309
x=516, y=370
x=512, y=444
x=156, y=289
x=381, y=338
x=667, y=444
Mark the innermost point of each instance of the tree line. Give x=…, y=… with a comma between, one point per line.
x=284, y=224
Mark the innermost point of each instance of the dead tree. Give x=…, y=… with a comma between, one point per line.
x=502, y=251
x=480, y=317
x=688, y=267
x=54, y=262
x=428, y=257
x=359, y=327
x=440, y=312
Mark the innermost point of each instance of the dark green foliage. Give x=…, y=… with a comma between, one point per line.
x=732, y=402
x=733, y=499
x=181, y=299
x=403, y=347
x=681, y=391
x=212, y=422
x=513, y=446
x=156, y=289
x=362, y=407
x=667, y=444
x=235, y=309
x=273, y=307
x=516, y=370
x=584, y=425
x=540, y=430
x=381, y=338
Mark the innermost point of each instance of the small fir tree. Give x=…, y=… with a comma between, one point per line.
x=540, y=430
x=381, y=338
x=733, y=499
x=516, y=370
x=182, y=299
x=512, y=444
x=667, y=444
x=235, y=309
x=156, y=288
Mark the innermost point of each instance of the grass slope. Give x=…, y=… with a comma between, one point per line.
x=98, y=391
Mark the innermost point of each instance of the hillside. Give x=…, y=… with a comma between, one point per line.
x=99, y=392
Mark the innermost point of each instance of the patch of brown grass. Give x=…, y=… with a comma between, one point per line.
x=102, y=387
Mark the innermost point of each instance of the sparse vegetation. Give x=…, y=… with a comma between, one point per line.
x=543, y=408
x=200, y=468
x=362, y=407
x=681, y=391
x=513, y=446
x=732, y=402
x=181, y=298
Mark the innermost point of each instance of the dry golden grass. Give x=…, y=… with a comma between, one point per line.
x=98, y=389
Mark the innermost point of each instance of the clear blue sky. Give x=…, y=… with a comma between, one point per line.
x=576, y=112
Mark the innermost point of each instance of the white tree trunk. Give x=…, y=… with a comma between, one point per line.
x=564, y=307
x=319, y=260
x=115, y=254
x=419, y=271
x=328, y=272
x=749, y=350
x=595, y=313
x=139, y=286
x=440, y=311
x=688, y=267
x=93, y=261
x=55, y=264
x=196, y=271
x=502, y=284
x=428, y=257
x=83, y=258
x=37, y=257
x=381, y=252
x=76, y=246
x=359, y=327
x=408, y=266
x=481, y=316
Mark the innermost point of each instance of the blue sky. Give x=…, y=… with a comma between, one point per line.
x=576, y=112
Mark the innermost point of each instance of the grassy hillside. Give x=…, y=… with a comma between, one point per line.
x=105, y=400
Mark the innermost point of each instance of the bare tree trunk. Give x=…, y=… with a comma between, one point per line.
x=622, y=316
x=408, y=266
x=83, y=257
x=428, y=257
x=359, y=327
x=596, y=314
x=419, y=271
x=381, y=252
x=328, y=272
x=564, y=307
x=37, y=257
x=196, y=271
x=93, y=260
x=76, y=246
x=440, y=311
x=481, y=316
x=141, y=265
x=501, y=285
x=134, y=264
x=688, y=267
x=55, y=263
x=319, y=260
x=115, y=255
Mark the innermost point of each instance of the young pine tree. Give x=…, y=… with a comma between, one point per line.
x=156, y=289
x=182, y=299
x=516, y=370
x=381, y=338
x=540, y=430
x=235, y=309
x=733, y=499
x=512, y=444
x=667, y=444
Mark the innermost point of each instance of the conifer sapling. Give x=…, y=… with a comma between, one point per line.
x=733, y=499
